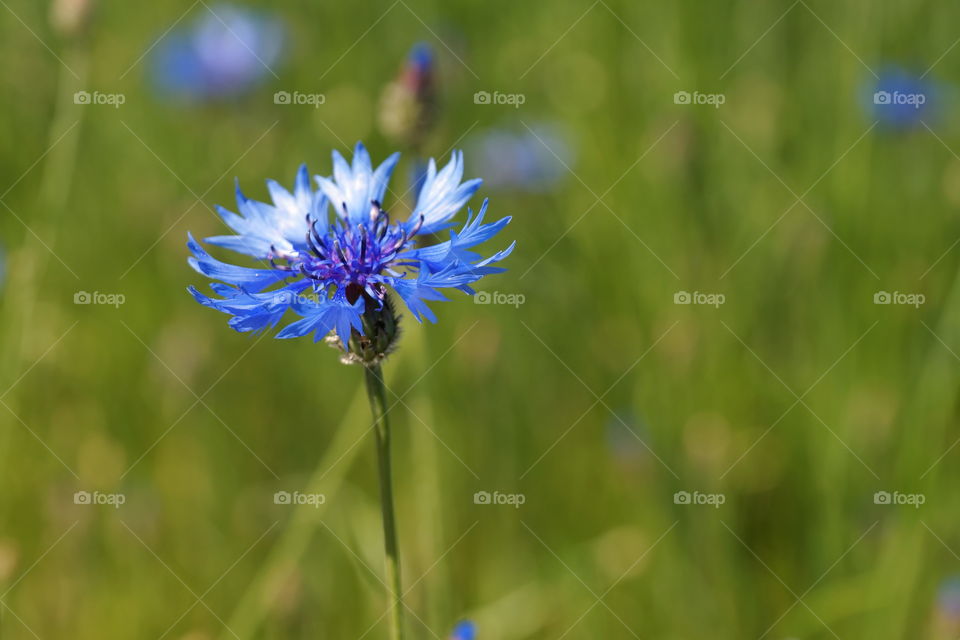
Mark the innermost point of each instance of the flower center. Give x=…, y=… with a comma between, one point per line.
x=350, y=257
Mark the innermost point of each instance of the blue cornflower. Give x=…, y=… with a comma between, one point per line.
x=902, y=100
x=465, y=630
x=226, y=52
x=335, y=271
x=948, y=598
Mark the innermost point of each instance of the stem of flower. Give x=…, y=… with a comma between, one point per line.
x=376, y=392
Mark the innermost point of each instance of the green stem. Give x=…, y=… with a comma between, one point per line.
x=376, y=392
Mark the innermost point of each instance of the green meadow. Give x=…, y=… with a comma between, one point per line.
x=715, y=395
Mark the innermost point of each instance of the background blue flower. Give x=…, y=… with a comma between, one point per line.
x=226, y=51
x=465, y=630
x=903, y=100
x=531, y=160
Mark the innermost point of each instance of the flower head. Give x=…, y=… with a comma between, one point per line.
x=332, y=254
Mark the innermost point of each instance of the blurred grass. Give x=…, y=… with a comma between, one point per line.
x=504, y=385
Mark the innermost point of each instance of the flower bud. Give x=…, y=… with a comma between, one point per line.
x=70, y=18
x=381, y=329
x=408, y=105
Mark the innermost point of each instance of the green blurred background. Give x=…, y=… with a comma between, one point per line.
x=597, y=399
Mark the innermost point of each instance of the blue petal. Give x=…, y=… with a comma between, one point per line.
x=261, y=227
x=355, y=187
x=442, y=194
x=301, y=188
x=325, y=315
x=251, y=279
x=282, y=198
x=249, y=245
x=473, y=233
x=414, y=292
x=251, y=311
x=381, y=178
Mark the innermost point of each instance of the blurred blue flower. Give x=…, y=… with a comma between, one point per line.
x=465, y=630
x=948, y=598
x=625, y=433
x=531, y=160
x=225, y=52
x=901, y=100
x=332, y=268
